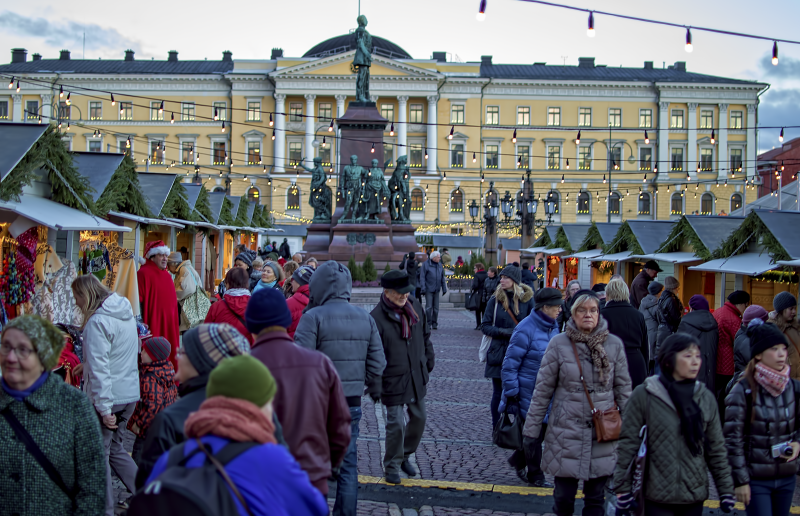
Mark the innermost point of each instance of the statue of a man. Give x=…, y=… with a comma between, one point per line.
x=400, y=199
x=374, y=192
x=363, y=59
x=351, y=187
x=319, y=197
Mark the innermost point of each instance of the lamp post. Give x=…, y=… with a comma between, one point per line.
x=490, y=212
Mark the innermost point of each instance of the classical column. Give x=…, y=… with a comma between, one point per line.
x=279, y=145
x=374, y=99
x=430, y=142
x=723, y=163
x=691, y=141
x=17, y=115
x=750, y=159
x=47, y=108
x=340, y=105
x=310, y=124
x=402, y=129
x=663, y=138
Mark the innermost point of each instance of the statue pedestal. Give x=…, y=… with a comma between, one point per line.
x=403, y=240
x=359, y=240
x=318, y=240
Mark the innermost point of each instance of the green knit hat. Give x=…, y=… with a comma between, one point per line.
x=242, y=377
x=47, y=340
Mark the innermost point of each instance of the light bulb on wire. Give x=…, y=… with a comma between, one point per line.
x=646, y=138
x=713, y=140
x=775, y=53
x=481, y=11
x=689, y=40
x=578, y=139
x=780, y=136
x=590, y=29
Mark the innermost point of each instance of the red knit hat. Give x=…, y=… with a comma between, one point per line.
x=154, y=248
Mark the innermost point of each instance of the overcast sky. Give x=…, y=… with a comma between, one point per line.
x=514, y=32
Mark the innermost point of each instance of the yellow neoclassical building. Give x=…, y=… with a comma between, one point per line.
x=675, y=141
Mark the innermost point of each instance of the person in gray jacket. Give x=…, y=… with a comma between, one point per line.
x=348, y=335
x=431, y=280
x=649, y=307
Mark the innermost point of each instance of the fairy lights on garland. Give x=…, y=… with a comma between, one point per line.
x=785, y=277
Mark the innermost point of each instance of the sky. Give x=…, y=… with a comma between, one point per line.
x=514, y=31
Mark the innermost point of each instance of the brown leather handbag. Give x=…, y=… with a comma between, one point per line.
x=607, y=423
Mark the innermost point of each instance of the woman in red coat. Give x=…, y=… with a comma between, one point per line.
x=234, y=302
x=299, y=300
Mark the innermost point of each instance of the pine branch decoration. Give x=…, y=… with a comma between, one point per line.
x=123, y=192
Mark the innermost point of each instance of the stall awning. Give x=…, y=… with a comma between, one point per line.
x=591, y=253
x=790, y=263
x=555, y=251
x=57, y=216
x=748, y=264
x=146, y=220
x=616, y=257
x=531, y=251
x=676, y=257
x=193, y=223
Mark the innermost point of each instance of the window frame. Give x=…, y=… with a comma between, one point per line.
x=590, y=154
x=126, y=110
x=457, y=155
x=295, y=111
x=92, y=142
x=740, y=117
x=741, y=158
x=215, y=154
x=649, y=167
x=707, y=197
x=583, y=197
x=253, y=151
x=526, y=162
x=293, y=190
x=416, y=109
x=222, y=110
x=706, y=159
x=494, y=111
x=551, y=164
x=521, y=115
x=683, y=166
x=677, y=114
x=647, y=113
x=458, y=113
x=31, y=115
x=615, y=115
x=188, y=111
x=740, y=199
x=672, y=198
x=612, y=198
x=704, y=115
x=255, y=197
x=99, y=106
x=5, y=102
x=253, y=110
x=185, y=146
x=643, y=198
x=421, y=198
x=494, y=153
x=326, y=147
x=154, y=155
x=324, y=111
x=155, y=116
x=389, y=108
x=581, y=115
x=553, y=116
x=290, y=148
x=457, y=206
x=414, y=148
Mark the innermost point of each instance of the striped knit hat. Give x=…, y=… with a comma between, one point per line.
x=208, y=344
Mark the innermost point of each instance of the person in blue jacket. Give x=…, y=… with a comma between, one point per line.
x=520, y=368
x=238, y=408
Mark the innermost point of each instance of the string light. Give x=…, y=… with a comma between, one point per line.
x=271, y=123
x=426, y=153
x=452, y=128
x=372, y=150
x=474, y=158
x=513, y=138
x=113, y=102
x=567, y=163
x=590, y=30
x=775, y=53
x=646, y=138
x=644, y=179
x=780, y=136
x=172, y=118
x=273, y=134
x=330, y=127
x=604, y=179
x=19, y=88
x=713, y=140
x=578, y=139
x=655, y=168
x=69, y=98
x=223, y=126
x=481, y=11
x=61, y=92
x=11, y=83
x=562, y=178
x=391, y=130
x=216, y=114
x=161, y=108
x=481, y=177
x=688, y=40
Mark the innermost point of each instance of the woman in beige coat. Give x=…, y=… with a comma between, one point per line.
x=571, y=451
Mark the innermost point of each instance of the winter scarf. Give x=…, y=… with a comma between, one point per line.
x=21, y=395
x=682, y=395
x=231, y=418
x=235, y=292
x=773, y=381
x=408, y=317
x=594, y=341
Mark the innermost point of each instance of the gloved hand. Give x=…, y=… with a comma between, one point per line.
x=726, y=503
x=512, y=405
x=624, y=502
x=374, y=389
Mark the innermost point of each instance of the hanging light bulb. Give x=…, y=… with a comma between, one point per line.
x=69, y=98
x=780, y=136
x=128, y=143
x=590, y=29
x=444, y=175
x=481, y=11
x=11, y=83
x=452, y=128
x=330, y=127
x=391, y=130
x=782, y=168
x=578, y=139
x=161, y=108
x=474, y=157
x=644, y=180
x=61, y=92
x=220, y=173
x=713, y=140
x=18, y=86
x=689, y=40
x=562, y=178
x=567, y=163
x=372, y=150
x=270, y=120
x=514, y=137
x=244, y=178
x=223, y=126
x=172, y=118
x=481, y=177
x=775, y=53
x=655, y=168
x=426, y=153
x=323, y=142
x=273, y=134
x=113, y=102
x=646, y=138
x=604, y=179
x=519, y=162
x=216, y=114
x=67, y=126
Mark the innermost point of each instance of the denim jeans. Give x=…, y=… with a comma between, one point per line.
x=771, y=497
x=432, y=307
x=346, y=502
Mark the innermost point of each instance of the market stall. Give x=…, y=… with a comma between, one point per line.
x=599, y=236
x=637, y=237
x=569, y=237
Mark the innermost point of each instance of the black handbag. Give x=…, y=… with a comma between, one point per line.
x=508, y=433
x=472, y=302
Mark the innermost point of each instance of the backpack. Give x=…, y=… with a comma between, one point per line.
x=199, y=491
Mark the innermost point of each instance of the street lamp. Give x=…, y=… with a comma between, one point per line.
x=473, y=210
x=506, y=205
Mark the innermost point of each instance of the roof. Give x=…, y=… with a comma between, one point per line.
x=552, y=232
x=175, y=223
x=97, y=167
x=17, y=141
x=608, y=230
x=347, y=42
x=287, y=230
x=511, y=244
x=58, y=216
x=650, y=233
x=457, y=241
x=783, y=226
x=192, y=193
x=616, y=257
x=215, y=200
x=112, y=66
x=748, y=264
x=712, y=231
x=235, y=201
x=774, y=153
x=675, y=257
x=575, y=233
x=251, y=208
x=770, y=202
x=155, y=189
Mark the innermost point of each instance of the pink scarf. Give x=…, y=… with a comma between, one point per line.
x=234, y=419
x=773, y=381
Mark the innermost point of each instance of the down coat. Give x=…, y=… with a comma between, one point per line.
x=674, y=475
x=741, y=356
x=297, y=303
x=649, y=309
x=749, y=441
x=570, y=445
x=701, y=325
x=501, y=327
x=729, y=320
x=230, y=310
x=524, y=358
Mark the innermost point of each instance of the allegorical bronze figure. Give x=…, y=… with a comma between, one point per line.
x=399, y=194
x=319, y=197
x=362, y=60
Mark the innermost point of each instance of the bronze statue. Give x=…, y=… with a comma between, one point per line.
x=319, y=197
x=351, y=188
x=400, y=196
x=374, y=192
x=362, y=60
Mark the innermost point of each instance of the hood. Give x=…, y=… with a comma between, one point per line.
x=237, y=303
x=541, y=323
x=117, y=307
x=302, y=290
x=702, y=320
x=649, y=301
x=256, y=275
x=330, y=281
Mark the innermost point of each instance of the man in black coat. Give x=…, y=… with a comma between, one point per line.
x=405, y=334
x=528, y=278
x=477, y=290
x=700, y=324
x=627, y=323
x=411, y=266
x=285, y=252
x=640, y=282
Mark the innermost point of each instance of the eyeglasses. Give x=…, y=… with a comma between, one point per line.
x=22, y=353
x=583, y=311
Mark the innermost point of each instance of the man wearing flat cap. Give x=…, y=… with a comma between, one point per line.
x=405, y=335
x=640, y=282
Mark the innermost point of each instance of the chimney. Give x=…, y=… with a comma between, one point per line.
x=440, y=57
x=276, y=53
x=648, y=65
x=680, y=66
x=173, y=56
x=585, y=62
x=37, y=57
x=19, y=55
x=64, y=55
x=486, y=60
x=227, y=55
x=129, y=55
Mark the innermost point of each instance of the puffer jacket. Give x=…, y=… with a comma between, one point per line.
x=297, y=303
x=501, y=327
x=524, y=358
x=489, y=286
x=478, y=281
x=649, y=307
x=255, y=277
x=750, y=435
x=347, y=334
x=674, y=475
x=431, y=277
x=729, y=320
x=741, y=356
x=791, y=330
x=670, y=310
x=110, y=351
x=230, y=309
x=570, y=445
x=701, y=325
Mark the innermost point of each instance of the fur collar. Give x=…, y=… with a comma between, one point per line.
x=783, y=324
x=522, y=293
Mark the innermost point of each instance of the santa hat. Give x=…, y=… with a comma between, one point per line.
x=154, y=248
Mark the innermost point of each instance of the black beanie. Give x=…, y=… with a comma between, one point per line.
x=763, y=336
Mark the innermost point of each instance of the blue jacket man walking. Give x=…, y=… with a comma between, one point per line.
x=431, y=280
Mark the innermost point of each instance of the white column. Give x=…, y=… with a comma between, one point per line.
x=17, y=115
x=691, y=140
x=723, y=163
x=750, y=159
x=430, y=142
x=663, y=138
x=374, y=99
x=310, y=124
x=340, y=105
x=402, y=128
x=47, y=109
x=279, y=145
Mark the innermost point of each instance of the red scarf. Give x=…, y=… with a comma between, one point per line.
x=408, y=317
x=773, y=381
x=231, y=418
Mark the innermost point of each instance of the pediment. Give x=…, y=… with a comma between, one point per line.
x=339, y=65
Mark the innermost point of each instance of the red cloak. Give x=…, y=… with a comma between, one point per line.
x=160, y=305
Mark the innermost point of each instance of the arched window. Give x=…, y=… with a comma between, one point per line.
x=457, y=201
x=676, y=204
x=253, y=194
x=552, y=196
x=417, y=200
x=736, y=201
x=583, y=203
x=707, y=204
x=219, y=189
x=613, y=203
x=293, y=198
x=644, y=203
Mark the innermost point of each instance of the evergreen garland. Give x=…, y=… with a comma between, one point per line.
x=543, y=240
x=123, y=193
x=202, y=207
x=176, y=206
x=561, y=241
x=592, y=240
x=752, y=230
x=225, y=216
x=681, y=233
x=625, y=240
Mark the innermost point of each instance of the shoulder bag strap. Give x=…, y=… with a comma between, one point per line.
x=225, y=302
x=224, y=474
x=511, y=314
x=580, y=370
x=37, y=453
x=494, y=318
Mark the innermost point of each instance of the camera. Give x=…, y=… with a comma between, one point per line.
x=783, y=450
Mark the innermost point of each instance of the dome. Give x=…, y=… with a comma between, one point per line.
x=347, y=42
